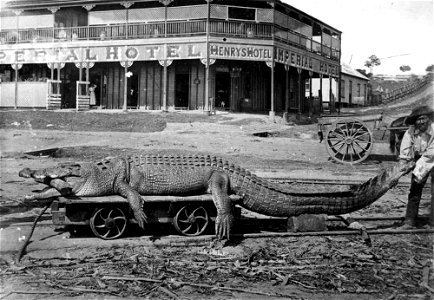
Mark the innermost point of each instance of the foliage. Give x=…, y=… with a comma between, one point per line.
x=405, y=68
x=372, y=62
x=430, y=68
x=363, y=72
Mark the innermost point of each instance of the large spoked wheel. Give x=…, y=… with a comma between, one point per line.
x=349, y=141
x=108, y=223
x=191, y=220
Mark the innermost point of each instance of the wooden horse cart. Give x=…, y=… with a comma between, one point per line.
x=349, y=138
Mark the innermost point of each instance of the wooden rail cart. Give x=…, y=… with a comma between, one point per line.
x=109, y=216
x=348, y=137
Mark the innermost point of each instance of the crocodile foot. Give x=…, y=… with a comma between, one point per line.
x=223, y=224
x=141, y=218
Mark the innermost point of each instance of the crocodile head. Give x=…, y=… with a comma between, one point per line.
x=44, y=175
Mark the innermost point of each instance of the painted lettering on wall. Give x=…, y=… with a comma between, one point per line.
x=263, y=53
x=19, y=56
x=102, y=54
x=112, y=53
x=294, y=59
x=328, y=69
x=88, y=56
x=305, y=60
x=132, y=53
x=193, y=51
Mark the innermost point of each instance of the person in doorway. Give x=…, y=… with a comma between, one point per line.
x=92, y=100
x=417, y=153
x=62, y=32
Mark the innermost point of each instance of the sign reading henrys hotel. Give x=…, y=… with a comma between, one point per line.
x=241, y=52
x=297, y=59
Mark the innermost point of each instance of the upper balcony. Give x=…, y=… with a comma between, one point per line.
x=129, y=23
x=232, y=29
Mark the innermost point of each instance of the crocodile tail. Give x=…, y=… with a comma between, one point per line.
x=374, y=188
x=269, y=199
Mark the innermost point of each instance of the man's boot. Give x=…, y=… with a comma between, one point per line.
x=411, y=214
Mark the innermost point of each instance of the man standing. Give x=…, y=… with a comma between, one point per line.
x=417, y=149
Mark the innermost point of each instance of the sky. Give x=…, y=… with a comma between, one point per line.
x=399, y=32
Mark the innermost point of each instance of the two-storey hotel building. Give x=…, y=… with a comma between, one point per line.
x=238, y=55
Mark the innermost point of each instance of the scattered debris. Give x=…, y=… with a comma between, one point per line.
x=312, y=264
x=44, y=152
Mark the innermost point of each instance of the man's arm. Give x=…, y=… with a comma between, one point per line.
x=425, y=163
x=406, y=153
x=406, y=150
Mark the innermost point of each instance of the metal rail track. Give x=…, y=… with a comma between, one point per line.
x=180, y=241
x=332, y=233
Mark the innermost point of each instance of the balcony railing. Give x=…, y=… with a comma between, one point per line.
x=170, y=29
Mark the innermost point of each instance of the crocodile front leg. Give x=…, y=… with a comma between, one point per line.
x=135, y=201
x=58, y=188
x=45, y=194
x=219, y=187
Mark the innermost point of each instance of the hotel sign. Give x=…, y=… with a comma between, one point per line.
x=305, y=61
x=135, y=53
x=103, y=54
x=291, y=57
x=241, y=52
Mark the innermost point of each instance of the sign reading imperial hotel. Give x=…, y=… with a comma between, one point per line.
x=259, y=58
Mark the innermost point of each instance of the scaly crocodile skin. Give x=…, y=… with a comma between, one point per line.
x=133, y=176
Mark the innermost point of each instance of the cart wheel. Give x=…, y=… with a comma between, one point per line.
x=349, y=141
x=108, y=223
x=191, y=220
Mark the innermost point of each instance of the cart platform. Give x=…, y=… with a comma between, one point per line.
x=108, y=216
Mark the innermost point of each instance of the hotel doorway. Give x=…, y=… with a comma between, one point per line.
x=133, y=90
x=69, y=77
x=182, y=90
x=222, y=92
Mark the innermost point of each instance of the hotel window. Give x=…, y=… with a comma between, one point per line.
x=342, y=88
x=358, y=90
x=242, y=13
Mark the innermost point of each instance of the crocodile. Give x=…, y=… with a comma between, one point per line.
x=133, y=176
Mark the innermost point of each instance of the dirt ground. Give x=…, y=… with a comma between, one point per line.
x=63, y=264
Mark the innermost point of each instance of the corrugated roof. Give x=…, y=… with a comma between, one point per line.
x=48, y=3
x=346, y=69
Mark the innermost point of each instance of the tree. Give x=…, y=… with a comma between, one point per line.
x=430, y=68
x=405, y=68
x=372, y=62
x=363, y=72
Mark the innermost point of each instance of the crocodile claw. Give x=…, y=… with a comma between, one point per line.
x=141, y=218
x=223, y=224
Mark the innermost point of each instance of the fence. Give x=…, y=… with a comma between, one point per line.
x=406, y=90
x=54, y=98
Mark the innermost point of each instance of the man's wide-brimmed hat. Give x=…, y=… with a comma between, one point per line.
x=419, y=111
